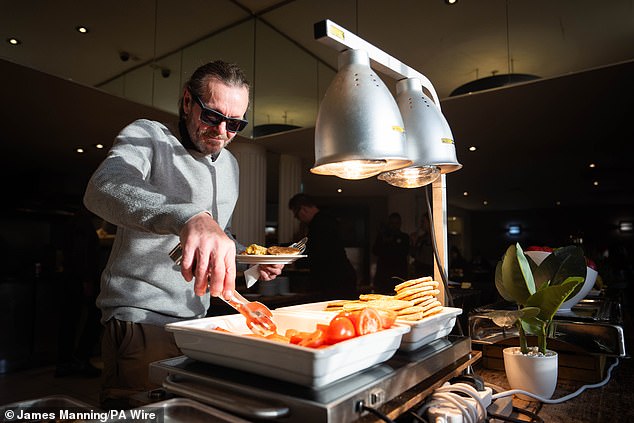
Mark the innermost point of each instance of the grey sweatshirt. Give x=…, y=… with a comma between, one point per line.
x=149, y=186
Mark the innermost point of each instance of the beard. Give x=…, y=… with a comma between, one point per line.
x=210, y=142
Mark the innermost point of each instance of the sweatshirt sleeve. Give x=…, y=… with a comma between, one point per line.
x=123, y=190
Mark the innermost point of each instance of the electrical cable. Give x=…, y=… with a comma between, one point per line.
x=534, y=417
x=453, y=399
x=441, y=268
x=417, y=417
x=564, y=398
x=376, y=412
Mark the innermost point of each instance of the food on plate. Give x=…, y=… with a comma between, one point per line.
x=413, y=300
x=277, y=250
x=422, y=292
x=340, y=329
x=366, y=320
x=368, y=297
x=255, y=250
x=336, y=305
x=345, y=325
x=258, y=250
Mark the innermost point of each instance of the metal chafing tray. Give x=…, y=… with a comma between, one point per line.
x=264, y=398
x=594, y=324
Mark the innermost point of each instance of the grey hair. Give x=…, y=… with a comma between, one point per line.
x=228, y=73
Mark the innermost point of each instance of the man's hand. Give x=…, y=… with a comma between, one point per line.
x=269, y=272
x=208, y=256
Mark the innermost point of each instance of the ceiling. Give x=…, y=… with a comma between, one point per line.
x=535, y=140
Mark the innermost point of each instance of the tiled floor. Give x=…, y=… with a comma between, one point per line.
x=40, y=382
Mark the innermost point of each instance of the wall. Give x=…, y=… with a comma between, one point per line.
x=597, y=228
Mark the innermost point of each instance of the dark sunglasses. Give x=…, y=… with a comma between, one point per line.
x=213, y=117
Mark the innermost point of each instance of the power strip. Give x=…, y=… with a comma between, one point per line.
x=444, y=406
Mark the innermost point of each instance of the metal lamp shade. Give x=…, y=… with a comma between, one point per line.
x=359, y=130
x=430, y=143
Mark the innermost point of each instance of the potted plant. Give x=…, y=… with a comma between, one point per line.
x=537, y=291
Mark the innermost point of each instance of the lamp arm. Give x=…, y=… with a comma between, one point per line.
x=339, y=38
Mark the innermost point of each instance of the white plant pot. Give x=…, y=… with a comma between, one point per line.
x=533, y=373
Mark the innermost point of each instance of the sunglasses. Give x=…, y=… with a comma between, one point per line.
x=213, y=117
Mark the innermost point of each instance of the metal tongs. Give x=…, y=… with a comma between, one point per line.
x=259, y=317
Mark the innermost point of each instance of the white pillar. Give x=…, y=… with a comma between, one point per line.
x=290, y=183
x=249, y=217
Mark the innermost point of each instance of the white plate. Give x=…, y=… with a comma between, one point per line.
x=312, y=367
x=268, y=259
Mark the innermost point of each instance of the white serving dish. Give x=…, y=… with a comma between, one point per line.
x=422, y=332
x=429, y=329
x=304, y=366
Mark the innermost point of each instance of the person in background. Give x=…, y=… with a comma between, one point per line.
x=392, y=250
x=331, y=273
x=161, y=184
x=80, y=329
x=422, y=249
x=458, y=265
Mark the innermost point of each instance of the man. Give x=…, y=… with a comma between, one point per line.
x=331, y=273
x=161, y=185
x=392, y=250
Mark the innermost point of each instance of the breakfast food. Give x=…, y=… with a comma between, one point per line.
x=277, y=250
x=255, y=250
x=413, y=300
x=258, y=250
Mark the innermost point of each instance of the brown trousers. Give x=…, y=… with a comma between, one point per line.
x=127, y=349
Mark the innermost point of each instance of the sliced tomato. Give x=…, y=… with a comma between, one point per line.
x=290, y=333
x=388, y=318
x=339, y=329
x=278, y=338
x=315, y=339
x=298, y=336
x=322, y=327
x=366, y=320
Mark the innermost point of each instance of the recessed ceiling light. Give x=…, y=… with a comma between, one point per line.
x=466, y=193
x=79, y=150
x=592, y=165
x=595, y=183
x=339, y=190
x=81, y=29
x=625, y=226
x=485, y=202
x=99, y=146
x=14, y=41
x=473, y=148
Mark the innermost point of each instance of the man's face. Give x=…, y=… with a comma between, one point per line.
x=229, y=100
x=302, y=214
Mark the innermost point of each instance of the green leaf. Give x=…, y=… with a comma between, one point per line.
x=499, y=284
x=561, y=264
x=525, y=268
x=509, y=278
x=550, y=298
x=506, y=318
x=533, y=325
